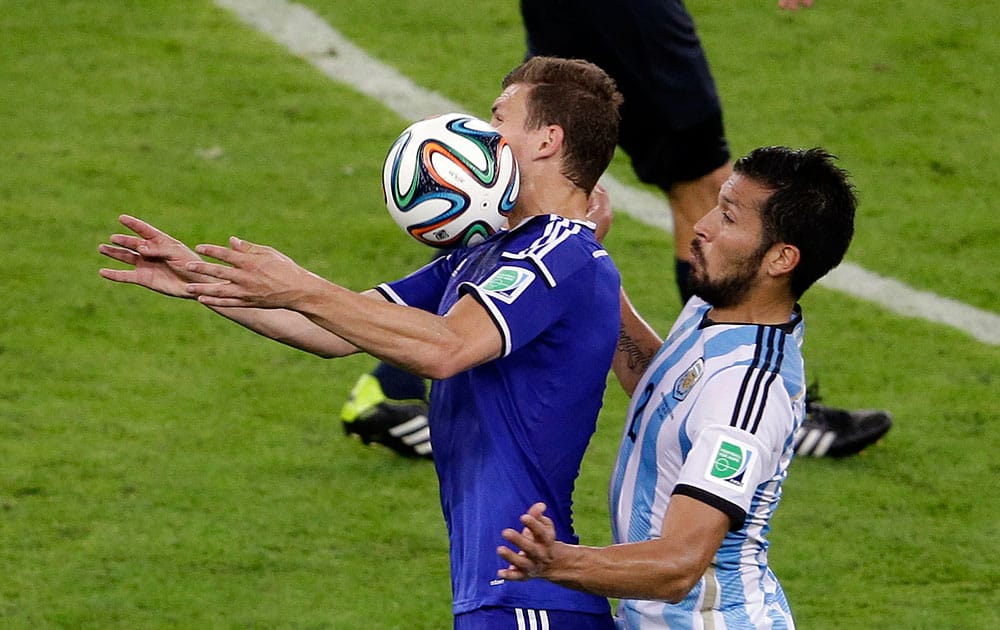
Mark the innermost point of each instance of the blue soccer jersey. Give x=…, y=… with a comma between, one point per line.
x=513, y=431
x=713, y=418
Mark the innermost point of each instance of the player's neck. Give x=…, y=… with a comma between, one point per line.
x=758, y=308
x=549, y=196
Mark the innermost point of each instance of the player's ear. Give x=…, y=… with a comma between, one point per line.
x=781, y=259
x=550, y=140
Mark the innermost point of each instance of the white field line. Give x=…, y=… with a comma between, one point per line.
x=308, y=36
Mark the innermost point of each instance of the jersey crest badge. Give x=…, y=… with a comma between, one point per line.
x=730, y=464
x=507, y=283
x=684, y=383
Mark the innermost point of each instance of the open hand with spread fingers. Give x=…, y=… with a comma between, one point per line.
x=159, y=260
x=253, y=276
x=539, y=549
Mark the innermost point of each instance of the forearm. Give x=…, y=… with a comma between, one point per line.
x=420, y=342
x=637, y=344
x=290, y=328
x=425, y=344
x=631, y=571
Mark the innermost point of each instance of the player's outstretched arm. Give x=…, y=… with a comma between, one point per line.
x=426, y=344
x=160, y=263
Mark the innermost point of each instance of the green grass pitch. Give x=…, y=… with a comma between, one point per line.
x=162, y=468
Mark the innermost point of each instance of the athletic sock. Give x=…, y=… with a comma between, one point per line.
x=398, y=384
x=682, y=272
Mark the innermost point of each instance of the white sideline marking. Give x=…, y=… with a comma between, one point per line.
x=307, y=35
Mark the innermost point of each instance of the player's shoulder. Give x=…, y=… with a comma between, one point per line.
x=768, y=343
x=558, y=246
x=551, y=230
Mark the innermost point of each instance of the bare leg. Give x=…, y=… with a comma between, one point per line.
x=692, y=200
x=689, y=202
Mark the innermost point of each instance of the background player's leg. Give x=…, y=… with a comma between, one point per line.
x=689, y=201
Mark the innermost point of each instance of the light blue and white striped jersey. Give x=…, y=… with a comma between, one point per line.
x=713, y=418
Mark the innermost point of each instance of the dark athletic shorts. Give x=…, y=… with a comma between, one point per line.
x=671, y=124
x=500, y=618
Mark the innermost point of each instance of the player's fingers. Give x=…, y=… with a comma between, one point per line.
x=597, y=196
x=222, y=302
x=148, y=247
x=120, y=254
x=512, y=573
x=516, y=538
x=222, y=272
x=527, y=534
x=139, y=226
x=518, y=561
x=540, y=532
x=530, y=550
x=522, y=566
x=537, y=509
x=219, y=252
x=214, y=290
x=245, y=247
x=507, y=554
x=541, y=527
x=127, y=240
x=118, y=275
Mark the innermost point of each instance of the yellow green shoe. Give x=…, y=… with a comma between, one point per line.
x=398, y=424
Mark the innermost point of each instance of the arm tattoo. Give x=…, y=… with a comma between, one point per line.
x=635, y=358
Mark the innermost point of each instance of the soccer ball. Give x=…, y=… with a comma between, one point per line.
x=450, y=180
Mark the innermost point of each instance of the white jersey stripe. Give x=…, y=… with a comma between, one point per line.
x=556, y=231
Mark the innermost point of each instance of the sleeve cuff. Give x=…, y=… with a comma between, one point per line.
x=737, y=516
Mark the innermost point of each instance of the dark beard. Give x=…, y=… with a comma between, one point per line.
x=725, y=292
x=730, y=290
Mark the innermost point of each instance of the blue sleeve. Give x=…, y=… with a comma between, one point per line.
x=525, y=296
x=421, y=289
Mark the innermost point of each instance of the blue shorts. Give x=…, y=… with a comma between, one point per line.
x=497, y=618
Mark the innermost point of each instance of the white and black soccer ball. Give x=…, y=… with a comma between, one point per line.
x=450, y=180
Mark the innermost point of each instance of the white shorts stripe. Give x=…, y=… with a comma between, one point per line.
x=529, y=619
x=520, y=619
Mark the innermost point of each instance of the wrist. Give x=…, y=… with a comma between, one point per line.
x=564, y=567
